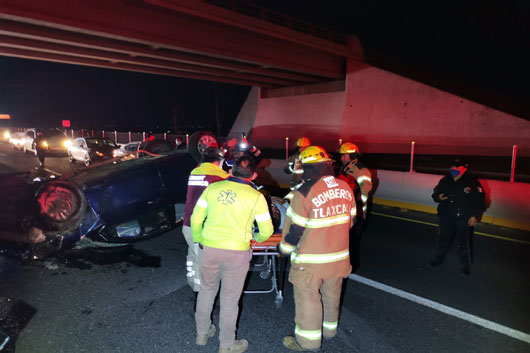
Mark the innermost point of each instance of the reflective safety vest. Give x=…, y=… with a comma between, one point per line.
x=225, y=213
x=363, y=177
x=316, y=229
x=199, y=179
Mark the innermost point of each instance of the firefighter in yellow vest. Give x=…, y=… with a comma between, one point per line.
x=222, y=223
x=315, y=235
x=294, y=165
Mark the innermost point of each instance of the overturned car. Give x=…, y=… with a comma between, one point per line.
x=117, y=201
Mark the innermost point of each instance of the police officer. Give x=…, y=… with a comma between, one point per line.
x=207, y=173
x=294, y=165
x=230, y=208
x=360, y=180
x=461, y=202
x=315, y=235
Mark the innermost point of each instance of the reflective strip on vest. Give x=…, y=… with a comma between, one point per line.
x=330, y=325
x=319, y=258
x=363, y=178
x=364, y=198
x=328, y=221
x=286, y=248
x=298, y=171
x=313, y=335
x=353, y=211
x=202, y=203
x=317, y=222
x=364, y=209
x=299, y=220
x=263, y=217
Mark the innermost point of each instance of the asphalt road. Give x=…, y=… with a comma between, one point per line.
x=136, y=299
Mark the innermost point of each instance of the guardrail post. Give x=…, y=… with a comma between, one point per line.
x=165, y=136
x=72, y=131
x=115, y=136
x=514, y=156
x=92, y=133
x=103, y=133
x=130, y=137
x=187, y=139
x=412, y=156
x=340, y=142
x=143, y=136
x=287, y=148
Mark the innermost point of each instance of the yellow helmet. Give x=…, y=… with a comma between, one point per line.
x=314, y=154
x=303, y=142
x=348, y=147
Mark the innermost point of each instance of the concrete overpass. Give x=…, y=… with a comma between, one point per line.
x=214, y=40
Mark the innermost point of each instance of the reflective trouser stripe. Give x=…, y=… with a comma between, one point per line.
x=286, y=248
x=314, y=335
x=330, y=325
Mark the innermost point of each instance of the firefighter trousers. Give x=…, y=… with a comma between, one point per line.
x=317, y=303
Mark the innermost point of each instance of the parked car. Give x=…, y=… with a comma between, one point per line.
x=128, y=149
x=17, y=140
x=91, y=149
x=118, y=201
x=55, y=141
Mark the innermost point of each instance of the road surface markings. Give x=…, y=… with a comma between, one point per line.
x=436, y=225
x=3, y=154
x=444, y=309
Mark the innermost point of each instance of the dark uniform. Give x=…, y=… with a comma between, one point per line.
x=40, y=149
x=465, y=199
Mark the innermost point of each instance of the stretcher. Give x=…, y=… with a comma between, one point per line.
x=270, y=265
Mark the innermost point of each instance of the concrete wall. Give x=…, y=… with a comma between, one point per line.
x=383, y=112
x=508, y=203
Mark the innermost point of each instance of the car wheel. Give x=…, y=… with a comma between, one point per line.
x=87, y=160
x=61, y=205
x=155, y=147
x=71, y=158
x=199, y=141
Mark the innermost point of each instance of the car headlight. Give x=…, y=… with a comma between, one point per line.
x=99, y=154
x=67, y=143
x=7, y=135
x=44, y=143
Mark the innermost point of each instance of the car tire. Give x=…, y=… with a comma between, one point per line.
x=62, y=205
x=71, y=158
x=155, y=147
x=87, y=160
x=199, y=141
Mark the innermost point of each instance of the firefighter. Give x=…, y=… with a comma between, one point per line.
x=222, y=223
x=461, y=202
x=235, y=148
x=315, y=235
x=360, y=180
x=294, y=166
x=208, y=172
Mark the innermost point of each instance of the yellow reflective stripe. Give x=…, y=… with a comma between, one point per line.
x=202, y=203
x=301, y=221
x=364, y=198
x=313, y=335
x=286, y=248
x=328, y=221
x=330, y=325
x=365, y=208
x=353, y=211
x=363, y=178
x=263, y=217
x=319, y=258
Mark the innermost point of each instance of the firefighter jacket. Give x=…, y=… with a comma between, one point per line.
x=230, y=208
x=317, y=224
x=363, y=177
x=465, y=197
x=199, y=179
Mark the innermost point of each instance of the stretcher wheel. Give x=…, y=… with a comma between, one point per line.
x=279, y=300
x=264, y=274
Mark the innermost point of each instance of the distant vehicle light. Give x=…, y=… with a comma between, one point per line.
x=7, y=135
x=44, y=143
x=67, y=143
x=99, y=154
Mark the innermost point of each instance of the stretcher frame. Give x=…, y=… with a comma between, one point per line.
x=271, y=265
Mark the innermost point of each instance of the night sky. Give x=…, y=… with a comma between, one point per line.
x=475, y=49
